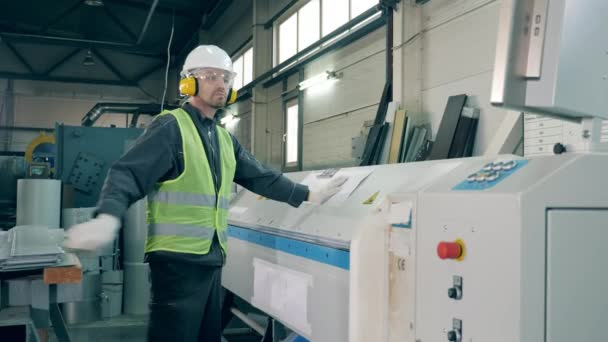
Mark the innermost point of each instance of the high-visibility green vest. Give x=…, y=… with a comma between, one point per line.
x=184, y=213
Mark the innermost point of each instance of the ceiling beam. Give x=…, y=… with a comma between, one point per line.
x=19, y=57
x=119, y=23
x=149, y=71
x=16, y=37
x=217, y=11
x=109, y=64
x=62, y=15
x=35, y=77
x=61, y=62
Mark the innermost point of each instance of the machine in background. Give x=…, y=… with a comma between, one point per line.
x=498, y=248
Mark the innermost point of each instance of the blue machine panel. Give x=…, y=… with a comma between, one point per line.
x=84, y=155
x=490, y=175
x=327, y=255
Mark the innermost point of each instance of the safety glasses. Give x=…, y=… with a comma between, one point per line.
x=215, y=76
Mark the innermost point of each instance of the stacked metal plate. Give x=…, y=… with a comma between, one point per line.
x=27, y=247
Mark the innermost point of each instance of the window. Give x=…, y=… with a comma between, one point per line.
x=335, y=14
x=308, y=24
x=238, y=68
x=359, y=6
x=248, y=67
x=288, y=46
x=313, y=20
x=291, y=133
x=243, y=66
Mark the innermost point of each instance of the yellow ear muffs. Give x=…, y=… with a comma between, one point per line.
x=188, y=86
x=231, y=98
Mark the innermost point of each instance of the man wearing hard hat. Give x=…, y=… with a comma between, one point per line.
x=185, y=163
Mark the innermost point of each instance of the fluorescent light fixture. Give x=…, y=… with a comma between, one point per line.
x=318, y=79
x=93, y=3
x=229, y=120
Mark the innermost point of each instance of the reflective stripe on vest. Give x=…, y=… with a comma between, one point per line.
x=174, y=229
x=186, y=198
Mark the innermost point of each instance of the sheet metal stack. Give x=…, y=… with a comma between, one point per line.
x=29, y=247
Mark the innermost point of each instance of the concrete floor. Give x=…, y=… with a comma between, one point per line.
x=122, y=328
x=131, y=329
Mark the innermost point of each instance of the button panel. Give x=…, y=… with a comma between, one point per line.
x=490, y=174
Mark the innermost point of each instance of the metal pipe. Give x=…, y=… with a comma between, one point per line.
x=389, y=48
x=147, y=22
x=251, y=323
x=22, y=128
x=101, y=108
x=102, y=43
x=189, y=13
x=117, y=107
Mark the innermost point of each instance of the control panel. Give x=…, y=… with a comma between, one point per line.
x=491, y=174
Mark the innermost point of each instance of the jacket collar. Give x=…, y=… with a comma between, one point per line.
x=196, y=116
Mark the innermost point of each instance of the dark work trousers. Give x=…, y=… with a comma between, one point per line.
x=186, y=302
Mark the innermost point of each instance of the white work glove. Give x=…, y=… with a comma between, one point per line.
x=93, y=234
x=325, y=192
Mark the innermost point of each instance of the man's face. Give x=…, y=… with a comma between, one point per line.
x=213, y=86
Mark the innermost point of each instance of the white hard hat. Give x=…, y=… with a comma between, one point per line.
x=207, y=56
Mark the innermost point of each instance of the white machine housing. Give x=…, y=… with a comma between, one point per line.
x=533, y=246
x=336, y=251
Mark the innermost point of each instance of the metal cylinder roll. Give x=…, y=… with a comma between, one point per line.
x=38, y=202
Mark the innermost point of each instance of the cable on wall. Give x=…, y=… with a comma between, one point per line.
x=162, y=102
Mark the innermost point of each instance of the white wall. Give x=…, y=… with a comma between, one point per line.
x=452, y=53
x=241, y=129
x=42, y=104
x=334, y=113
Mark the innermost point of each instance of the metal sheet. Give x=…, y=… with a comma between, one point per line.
x=39, y=202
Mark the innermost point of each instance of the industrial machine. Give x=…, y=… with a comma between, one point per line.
x=495, y=248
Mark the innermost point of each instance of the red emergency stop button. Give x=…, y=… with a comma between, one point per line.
x=450, y=250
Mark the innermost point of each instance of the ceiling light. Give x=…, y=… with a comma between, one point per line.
x=88, y=60
x=93, y=3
